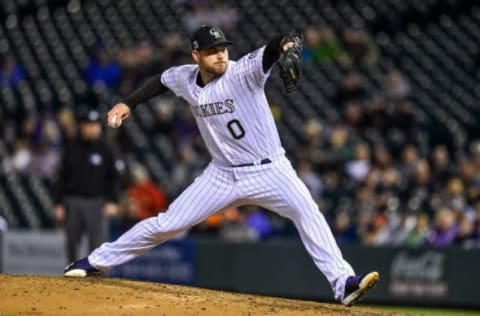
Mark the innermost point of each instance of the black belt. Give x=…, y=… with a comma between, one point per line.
x=263, y=162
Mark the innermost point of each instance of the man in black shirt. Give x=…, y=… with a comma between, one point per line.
x=87, y=187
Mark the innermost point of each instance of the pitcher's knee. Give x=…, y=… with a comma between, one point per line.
x=306, y=212
x=165, y=224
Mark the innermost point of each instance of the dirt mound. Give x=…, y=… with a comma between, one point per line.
x=40, y=295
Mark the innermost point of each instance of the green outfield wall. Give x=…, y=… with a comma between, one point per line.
x=421, y=276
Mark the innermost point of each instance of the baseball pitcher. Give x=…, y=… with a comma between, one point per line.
x=248, y=163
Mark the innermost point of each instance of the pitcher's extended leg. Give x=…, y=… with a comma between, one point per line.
x=209, y=193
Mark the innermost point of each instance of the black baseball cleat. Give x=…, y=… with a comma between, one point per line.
x=357, y=286
x=81, y=269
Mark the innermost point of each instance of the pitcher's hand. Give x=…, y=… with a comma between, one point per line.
x=117, y=114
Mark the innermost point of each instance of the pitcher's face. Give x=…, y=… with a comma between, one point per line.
x=213, y=60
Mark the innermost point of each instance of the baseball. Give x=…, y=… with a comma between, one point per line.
x=115, y=122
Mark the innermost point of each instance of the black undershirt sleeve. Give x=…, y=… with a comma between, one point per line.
x=149, y=89
x=272, y=52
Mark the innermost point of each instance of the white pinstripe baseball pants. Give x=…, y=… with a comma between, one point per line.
x=274, y=186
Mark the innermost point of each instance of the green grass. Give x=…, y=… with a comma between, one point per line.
x=428, y=311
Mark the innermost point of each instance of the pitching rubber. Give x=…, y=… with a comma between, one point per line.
x=367, y=283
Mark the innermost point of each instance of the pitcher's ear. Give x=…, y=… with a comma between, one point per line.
x=196, y=55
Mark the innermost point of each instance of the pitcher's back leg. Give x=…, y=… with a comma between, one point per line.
x=209, y=193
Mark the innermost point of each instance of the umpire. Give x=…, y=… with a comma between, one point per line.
x=87, y=187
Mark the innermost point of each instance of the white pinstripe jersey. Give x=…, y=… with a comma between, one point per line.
x=231, y=111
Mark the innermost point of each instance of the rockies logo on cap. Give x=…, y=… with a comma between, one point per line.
x=215, y=33
x=208, y=36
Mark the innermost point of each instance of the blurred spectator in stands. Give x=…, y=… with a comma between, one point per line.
x=474, y=213
x=402, y=125
x=373, y=179
x=136, y=63
x=44, y=145
x=454, y=196
x=187, y=167
x=144, y=199
x=174, y=52
x=213, y=224
x=321, y=45
x=143, y=60
x=419, y=234
x=28, y=126
x=164, y=111
x=378, y=231
x=401, y=226
x=376, y=116
x=311, y=179
x=249, y=223
x=402, y=117
x=148, y=198
x=465, y=236
x=43, y=162
x=103, y=70
x=365, y=200
x=11, y=72
x=470, y=178
x=441, y=167
x=360, y=48
x=125, y=218
x=410, y=157
x=67, y=124
x=87, y=187
x=382, y=157
x=475, y=150
x=350, y=89
x=396, y=86
x=312, y=38
x=338, y=149
x=393, y=228
x=312, y=142
x=185, y=126
x=312, y=133
x=9, y=129
x=445, y=228
x=258, y=221
x=354, y=117
x=418, y=191
x=210, y=12
x=388, y=190
x=21, y=156
x=235, y=229
x=275, y=107
x=363, y=222
x=343, y=228
x=360, y=166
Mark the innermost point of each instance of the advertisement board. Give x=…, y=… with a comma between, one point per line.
x=172, y=262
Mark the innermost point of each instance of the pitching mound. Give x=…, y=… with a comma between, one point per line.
x=39, y=295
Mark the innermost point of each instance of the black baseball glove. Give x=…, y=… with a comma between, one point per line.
x=289, y=63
